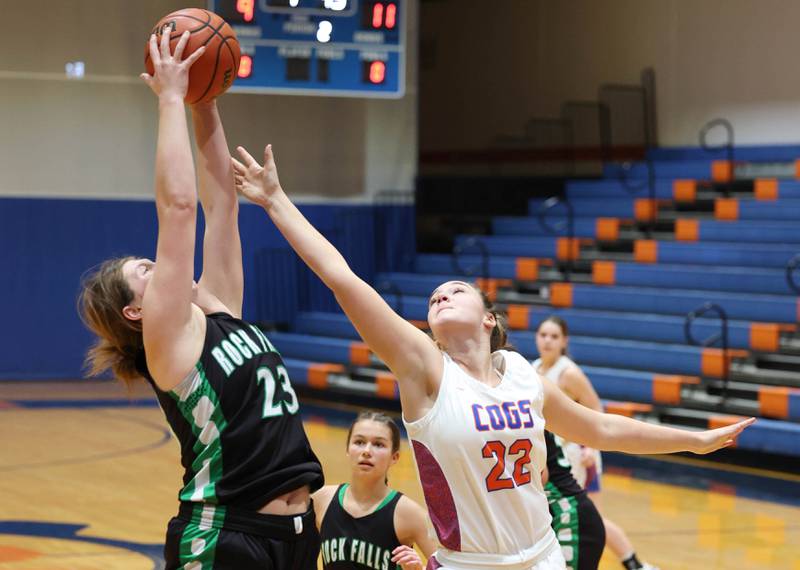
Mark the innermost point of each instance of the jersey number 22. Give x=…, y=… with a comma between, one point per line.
x=520, y=476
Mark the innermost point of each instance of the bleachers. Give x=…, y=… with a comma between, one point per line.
x=692, y=230
x=768, y=308
x=521, y=268
x=628, y=298
x=530, y=226
x=753, y=210
x=621, y=207
x=707, y=253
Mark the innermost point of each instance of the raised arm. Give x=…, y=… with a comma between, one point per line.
x=612, y=432
x=408, y=352
x=222, y=248
x=168, y=321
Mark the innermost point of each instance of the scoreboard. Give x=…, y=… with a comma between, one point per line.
x=352, y=48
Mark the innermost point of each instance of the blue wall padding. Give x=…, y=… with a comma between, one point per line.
x=47, y=244
x=531, y=226
x=741, y=254
x=759, y=308
x=733, y=279
x=750, y=231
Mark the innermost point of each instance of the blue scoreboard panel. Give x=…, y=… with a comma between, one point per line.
x=352, y=48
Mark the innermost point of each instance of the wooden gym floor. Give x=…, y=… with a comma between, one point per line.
x=89, y=478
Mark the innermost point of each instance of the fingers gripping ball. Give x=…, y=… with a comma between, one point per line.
x=214, y=72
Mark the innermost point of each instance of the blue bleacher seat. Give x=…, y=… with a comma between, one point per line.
x=764, y=308
x=749, y=231
x=733, y=279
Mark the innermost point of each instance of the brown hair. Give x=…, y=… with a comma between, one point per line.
x=499, y=339
x=560, y=323
x=381, y=418
x=104, y=293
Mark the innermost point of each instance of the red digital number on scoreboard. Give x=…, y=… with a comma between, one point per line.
x=374, y=71
x=380, y=15
x=377, y=72
x=245, y=66
x=247, y=9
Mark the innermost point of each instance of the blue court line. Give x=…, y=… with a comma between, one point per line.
x=70, y=532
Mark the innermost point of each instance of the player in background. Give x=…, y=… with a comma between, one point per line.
x=364, y=523
x=552, y=338
x=576, y=522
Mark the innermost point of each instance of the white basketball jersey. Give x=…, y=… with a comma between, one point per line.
x=554, y=372
x=572, y=450
x=480, y=451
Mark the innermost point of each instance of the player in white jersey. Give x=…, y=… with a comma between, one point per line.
x=475, y=413
x=552, y=338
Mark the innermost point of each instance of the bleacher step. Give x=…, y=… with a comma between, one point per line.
x=703, y=401
x=790, y=345
x=787, y=362
x=751, y=373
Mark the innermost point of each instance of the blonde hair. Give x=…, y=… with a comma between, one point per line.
x=104, y=293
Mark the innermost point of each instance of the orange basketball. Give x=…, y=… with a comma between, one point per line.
x=214, y=72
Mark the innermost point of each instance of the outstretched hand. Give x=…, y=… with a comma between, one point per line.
x=407, y=558
x=255, y=182
x=588, y=457
x=714, y=439
x=170, y=77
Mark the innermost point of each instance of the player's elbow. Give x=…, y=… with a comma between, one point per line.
x=607, y=434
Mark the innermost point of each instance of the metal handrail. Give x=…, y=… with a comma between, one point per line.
x=624, y=178
x=791, y=265
x=469, y=243
x=392, y=288
x=728, y=146
x=713, y=339
x=541, y=214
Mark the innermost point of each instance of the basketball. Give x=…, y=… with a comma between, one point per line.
x=214, y=72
